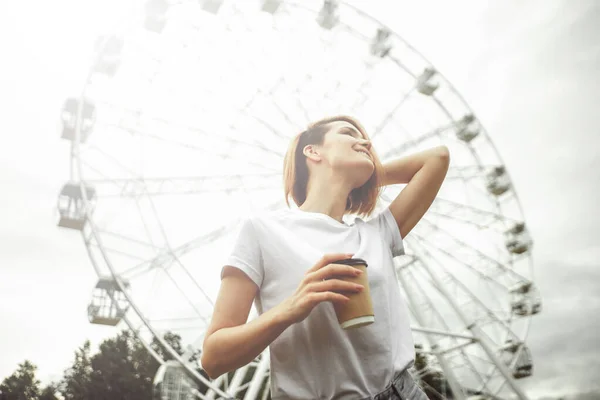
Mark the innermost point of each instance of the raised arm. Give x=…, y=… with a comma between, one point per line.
x=423, y=173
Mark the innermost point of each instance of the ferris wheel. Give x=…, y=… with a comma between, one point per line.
x=180, y=132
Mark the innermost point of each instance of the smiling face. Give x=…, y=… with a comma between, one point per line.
x=345, y=151
x=335, y=147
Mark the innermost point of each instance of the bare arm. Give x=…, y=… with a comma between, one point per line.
x=424, y=172
x=231, y=343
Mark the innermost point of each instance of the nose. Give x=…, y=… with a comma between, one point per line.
x=366, y=144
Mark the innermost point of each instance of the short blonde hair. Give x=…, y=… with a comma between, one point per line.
x=361, y=201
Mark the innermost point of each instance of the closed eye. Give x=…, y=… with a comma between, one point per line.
x=348, y=131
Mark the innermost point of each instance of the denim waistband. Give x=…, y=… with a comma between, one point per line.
x=392, y=387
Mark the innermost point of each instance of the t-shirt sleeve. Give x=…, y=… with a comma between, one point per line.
x=387, y=226
x=246, y=254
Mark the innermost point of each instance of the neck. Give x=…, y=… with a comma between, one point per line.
x=327, y=196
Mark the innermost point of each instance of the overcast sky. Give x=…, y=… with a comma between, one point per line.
x=528, y=69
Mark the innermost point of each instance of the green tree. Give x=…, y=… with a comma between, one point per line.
x=76, y=381
x=22, y=384
x=122, y=369
x=49, y=392
x=115, y=373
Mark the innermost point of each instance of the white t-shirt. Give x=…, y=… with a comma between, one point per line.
x=316, y=358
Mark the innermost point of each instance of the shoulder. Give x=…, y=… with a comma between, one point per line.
x=375, y=218
x=266, y=218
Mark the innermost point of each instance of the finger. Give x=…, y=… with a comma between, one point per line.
x=328, y=296
x=336, y=285
x=335, y=270
x=328, y=259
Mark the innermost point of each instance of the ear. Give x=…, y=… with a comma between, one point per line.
x=311, y=152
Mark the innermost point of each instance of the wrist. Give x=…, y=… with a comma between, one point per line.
x=281, y=316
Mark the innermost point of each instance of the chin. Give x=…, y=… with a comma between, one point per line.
x=362, y=178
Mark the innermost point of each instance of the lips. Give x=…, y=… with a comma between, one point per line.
x=365, y=153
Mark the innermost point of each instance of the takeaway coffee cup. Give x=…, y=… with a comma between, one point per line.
x=359, y=310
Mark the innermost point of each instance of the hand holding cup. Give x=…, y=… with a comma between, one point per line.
x=324, y=281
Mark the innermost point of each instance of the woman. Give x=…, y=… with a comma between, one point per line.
x=281, y=261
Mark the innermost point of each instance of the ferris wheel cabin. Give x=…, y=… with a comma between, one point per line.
x=155, y=15
x=518, y=240
x=171, y=382
x=110, y=49
x=498, y=182
x=328, y=16
x=69, y=115
x=468, y=128
x=521, y=365
x=525, y=299
x=270, y=6
x=380, y=47
x=71, y=206
x=109, y=304
x=428, y=82
x=211, y=6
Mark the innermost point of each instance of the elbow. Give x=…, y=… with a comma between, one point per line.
x=207, y=362
x=208, y=366
x=444, y=153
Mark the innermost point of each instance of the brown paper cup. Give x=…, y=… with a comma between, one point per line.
x=359, y=310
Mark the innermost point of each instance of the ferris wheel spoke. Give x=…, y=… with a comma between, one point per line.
x=116, y=251
x=128, y=239
x=131, y=121
x=167, y=256
x=482, y=219
x=382, y=124
x=471, y=257
x=271, y=128
x=462, y=295
x=153, y=123
x=471, y=339
x=419, y=313
x=206, y=148
x=176, y=259
x=414, y=143
x=458, y=346
x=277, y=106
x=107, y=157
x=155, y=186
x=473, y=267
x=468, y=173
x=487, y=280
x=195, y=282
x=136, y=187
x=185, y=296
x=474, y=323
x=216, y=233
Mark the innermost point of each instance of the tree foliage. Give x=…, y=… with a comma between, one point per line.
x=77, y=378
x=22, y=384
x=49, y=392
x=122, y=369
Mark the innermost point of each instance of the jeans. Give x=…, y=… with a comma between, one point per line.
x=402, y=387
